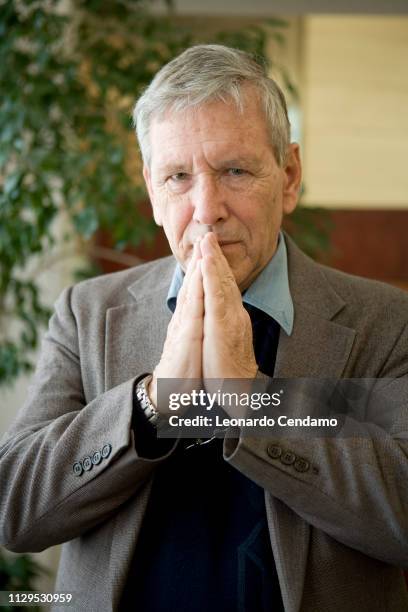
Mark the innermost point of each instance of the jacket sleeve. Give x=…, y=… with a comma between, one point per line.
x=352, y=486
x=65, y=464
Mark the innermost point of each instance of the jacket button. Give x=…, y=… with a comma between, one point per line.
x=87, y=463
x=106, y=451
x=301, y=465
x=274, y=451
x=287, y=458
x=97, y=457
x=78, y=469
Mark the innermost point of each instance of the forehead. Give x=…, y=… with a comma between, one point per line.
x=216, y=129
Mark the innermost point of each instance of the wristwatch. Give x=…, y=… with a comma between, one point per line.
x=150, y=412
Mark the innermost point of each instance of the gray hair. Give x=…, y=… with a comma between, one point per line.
x=206, y=73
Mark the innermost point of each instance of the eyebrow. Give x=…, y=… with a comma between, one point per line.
x=239, y=161
x=174, y=168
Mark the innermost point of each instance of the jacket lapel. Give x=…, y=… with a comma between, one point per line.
x=136, y=330
x=317, y=348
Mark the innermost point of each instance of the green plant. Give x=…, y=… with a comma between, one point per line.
x=311, y=229
x=68, y=83
x=17, y=573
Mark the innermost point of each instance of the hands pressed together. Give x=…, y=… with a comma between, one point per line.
x=210, y=333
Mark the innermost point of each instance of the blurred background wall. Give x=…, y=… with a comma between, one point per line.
x=351, y=118
x=354, y=99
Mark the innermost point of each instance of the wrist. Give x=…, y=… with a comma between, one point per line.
x=146, y=404
x=151, y=390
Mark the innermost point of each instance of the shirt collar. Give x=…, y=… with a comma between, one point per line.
x=269, y=292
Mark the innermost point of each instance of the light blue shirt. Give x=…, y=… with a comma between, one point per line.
x=269, y=292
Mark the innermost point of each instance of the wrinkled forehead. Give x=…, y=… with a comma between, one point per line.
x=220, y=126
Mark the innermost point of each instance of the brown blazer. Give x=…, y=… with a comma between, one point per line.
x=338, y=530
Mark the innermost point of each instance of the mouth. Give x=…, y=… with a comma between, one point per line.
x=227, y=243
x=224, y=244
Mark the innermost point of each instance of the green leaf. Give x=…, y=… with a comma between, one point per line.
x=12, y=181
x=86, y=222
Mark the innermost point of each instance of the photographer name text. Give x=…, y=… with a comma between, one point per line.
x=263, y=421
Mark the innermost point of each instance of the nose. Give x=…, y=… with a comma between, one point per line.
x=209, y=201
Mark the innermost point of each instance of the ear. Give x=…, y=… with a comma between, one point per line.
x=150, y=190
x=293, y=178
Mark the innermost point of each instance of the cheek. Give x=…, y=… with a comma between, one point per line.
x=176, y=218
x=263, y=220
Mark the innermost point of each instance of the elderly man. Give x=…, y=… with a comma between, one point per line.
x=234, y=523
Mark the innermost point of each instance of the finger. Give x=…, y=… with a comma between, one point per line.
x=210, y=246
x=189, y=321
x=214, y=296
x=192, y=263
x=177, y=317
x=193, y=309
x=189, y=272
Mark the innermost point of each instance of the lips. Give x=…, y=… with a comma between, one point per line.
x=224, y=243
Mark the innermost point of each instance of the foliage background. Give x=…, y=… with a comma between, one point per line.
x=17, y=573
x=69, y=75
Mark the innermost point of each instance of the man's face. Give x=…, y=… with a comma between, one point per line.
x=213, y=168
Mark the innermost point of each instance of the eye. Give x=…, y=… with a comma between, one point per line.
x=178, y=177
x=236, y=171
